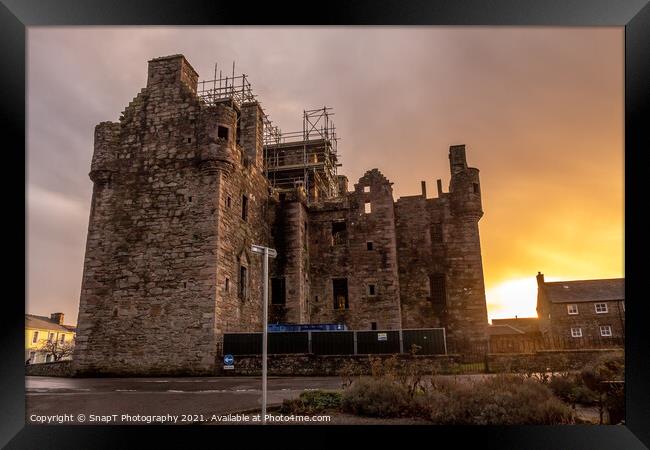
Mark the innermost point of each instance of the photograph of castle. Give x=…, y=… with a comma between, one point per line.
x=383, y=284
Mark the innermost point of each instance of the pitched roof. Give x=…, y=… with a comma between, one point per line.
x=45, y=323
x=585, y=290
x=526, y=324
x=503, y=330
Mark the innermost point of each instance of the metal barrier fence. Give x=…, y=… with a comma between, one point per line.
x=429, y=341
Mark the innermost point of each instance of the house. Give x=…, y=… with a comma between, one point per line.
x=40, y=330
x=513, y=334
x=582, y=309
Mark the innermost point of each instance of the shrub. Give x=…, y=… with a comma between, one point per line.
x=311, y=402
x=376, y=397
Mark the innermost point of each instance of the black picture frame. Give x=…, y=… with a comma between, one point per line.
x=16, y=15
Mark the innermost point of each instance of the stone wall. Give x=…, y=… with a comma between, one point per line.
x=556, y=360
x=587, y=320
x=51, y=369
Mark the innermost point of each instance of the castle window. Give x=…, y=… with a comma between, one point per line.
x=189, y=199
x=475, y=188
x=601, y=308
x=227, y=284
x=366, y=189
x=373, y=325
x=572, y=309
x=576, y=332
x=372, y=290
x=35, y=337
x=244, y=207
x=228, y=201
x=243, y=282
x=189, y=140
x=278, y=291
x=339, y=232
x=438, y=289
x=222, y=132
x=369, y=246
x=340, y=291
x=316, y=299
x=436, y=232
x=368, y=208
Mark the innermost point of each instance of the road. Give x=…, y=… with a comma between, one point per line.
x=50, y=396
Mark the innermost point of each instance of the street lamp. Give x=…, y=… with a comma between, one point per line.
x=265, y=277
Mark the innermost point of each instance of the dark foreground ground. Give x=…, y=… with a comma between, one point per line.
x=47, y=397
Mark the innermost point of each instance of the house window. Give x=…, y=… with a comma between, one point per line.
x=366, y=189
x=438, y=289
x=339, y=233
x=369, y=246
x=32, y=355
x=222, y=132
x=340, y=291
x=48, y=358
x=436, y=232
x=244, y=207
x=372, y=290
x=278, y=291
x=243, y=282
x=601, y=308
x=62, y=338
x=50, y=338
x=572, y=309
x=606, y=330
x=576, y=332
x=35, y=337
x=227, y=284
x=373, y=325
x=368, y=208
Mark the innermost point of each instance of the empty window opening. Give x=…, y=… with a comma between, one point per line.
x=340, y=290
x=438, y=289
x=369, y=246
x=189, y=140
x=368, y=208
x=244, y=207
x=372, y=290
x=339, y=232
x=243, y=282
x=227, y=284
x=278, y=291
x=475, y=188
x=373, y=325
x=436, y=232
x=222, y=132
x=572, y=309
x=316, y=299
x=189, y=199
x=228, y=201
x=184, y=284
x=366, y=189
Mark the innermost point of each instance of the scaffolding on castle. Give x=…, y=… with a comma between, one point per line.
x=235, y=89
x=306, y=158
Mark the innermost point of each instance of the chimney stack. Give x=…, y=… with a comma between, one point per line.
x=540, y=278
x=57, y=317
x=424, y=189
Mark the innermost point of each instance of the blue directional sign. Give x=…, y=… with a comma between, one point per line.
x=228, y=360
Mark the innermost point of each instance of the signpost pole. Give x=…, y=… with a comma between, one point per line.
x=265, y=333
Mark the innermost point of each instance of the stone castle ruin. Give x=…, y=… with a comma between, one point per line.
x=189, y=178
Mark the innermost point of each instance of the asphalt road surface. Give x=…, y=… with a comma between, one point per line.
x=47, y=397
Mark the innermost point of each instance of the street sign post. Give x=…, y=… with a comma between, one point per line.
x=267, y=252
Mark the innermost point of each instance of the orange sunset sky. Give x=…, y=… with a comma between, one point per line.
x=539, y=109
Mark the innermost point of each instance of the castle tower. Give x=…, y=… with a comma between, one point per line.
x=168, y=232
x=466, y=312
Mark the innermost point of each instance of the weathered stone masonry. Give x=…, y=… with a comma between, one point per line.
x=179, y=196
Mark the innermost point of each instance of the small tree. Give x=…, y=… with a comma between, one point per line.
x=58, y=350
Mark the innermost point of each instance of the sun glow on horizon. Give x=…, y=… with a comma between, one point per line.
x=516, y=297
